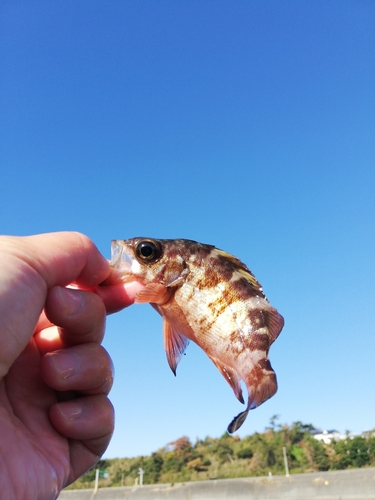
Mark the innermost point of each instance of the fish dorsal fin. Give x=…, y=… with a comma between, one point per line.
x=244, y=271
x=230, y=376
x=254, y=283
x=275, y=323
x=155, y=293
x=175, y=344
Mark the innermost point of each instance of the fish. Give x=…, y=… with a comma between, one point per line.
x=207, y=296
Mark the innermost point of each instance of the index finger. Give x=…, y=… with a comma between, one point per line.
x=29, y=267
x=61, y=258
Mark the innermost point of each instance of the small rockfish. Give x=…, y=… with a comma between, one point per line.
x=210, y=297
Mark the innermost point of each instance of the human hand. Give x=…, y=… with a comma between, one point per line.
x=55, y=417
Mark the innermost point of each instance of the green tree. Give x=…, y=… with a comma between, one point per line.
x=245, y=453
x=222, y=450
x=319, y=454
x=358, y=451
x=371, y=449
x=351, y=453
x=152, y=468
x=274, y=426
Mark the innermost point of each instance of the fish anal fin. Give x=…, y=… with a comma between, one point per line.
x=230, y=376
x=175, y=344
x=155, y=293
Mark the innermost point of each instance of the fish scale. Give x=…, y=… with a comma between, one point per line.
x=211, y=298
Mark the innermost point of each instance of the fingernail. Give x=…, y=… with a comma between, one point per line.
x=66, y=363
x=71, y=300
x=71, y=410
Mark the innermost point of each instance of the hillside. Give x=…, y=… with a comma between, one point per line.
x=229, y=456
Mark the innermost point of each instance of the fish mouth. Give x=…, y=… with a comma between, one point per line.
x=121, y=260
x=121, y=263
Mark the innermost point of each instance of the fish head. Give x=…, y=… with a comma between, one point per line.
x=148, y=260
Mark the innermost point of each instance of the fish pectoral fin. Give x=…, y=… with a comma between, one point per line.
x=230, y=376
x=175, y=344
x=155, y=293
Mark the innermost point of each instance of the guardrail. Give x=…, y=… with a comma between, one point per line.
x=355, y=484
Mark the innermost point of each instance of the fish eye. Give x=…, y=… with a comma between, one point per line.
x=148, y=251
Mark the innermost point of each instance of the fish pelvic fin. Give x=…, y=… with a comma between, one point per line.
x=262, y=385
x=175, y=344
x=230, y=376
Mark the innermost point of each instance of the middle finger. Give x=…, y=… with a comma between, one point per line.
x=79, y=314
x=84, y=368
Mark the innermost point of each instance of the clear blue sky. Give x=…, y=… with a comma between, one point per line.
x=249, y=125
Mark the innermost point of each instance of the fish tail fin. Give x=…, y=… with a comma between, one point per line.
x=262, y=385
x=237, y=421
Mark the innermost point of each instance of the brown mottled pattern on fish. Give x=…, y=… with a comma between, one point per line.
x=212, y=298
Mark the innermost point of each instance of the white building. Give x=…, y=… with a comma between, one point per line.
x=328, y=436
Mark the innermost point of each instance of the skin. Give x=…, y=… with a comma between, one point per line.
x=55, y=417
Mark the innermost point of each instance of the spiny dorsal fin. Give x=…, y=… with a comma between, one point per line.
x=244, y=271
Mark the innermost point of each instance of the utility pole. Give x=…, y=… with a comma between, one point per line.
x=140, y=476
x=285, y=462
x=96, y=481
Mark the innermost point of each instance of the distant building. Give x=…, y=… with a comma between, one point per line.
x=328, y=436
x=368, y=434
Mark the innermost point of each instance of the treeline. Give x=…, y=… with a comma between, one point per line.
x=230, y=457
